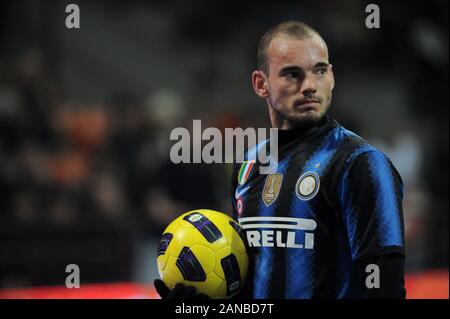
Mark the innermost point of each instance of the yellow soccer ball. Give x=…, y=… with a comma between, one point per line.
x=205, y=249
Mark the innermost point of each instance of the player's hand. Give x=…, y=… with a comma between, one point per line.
x=180, y=291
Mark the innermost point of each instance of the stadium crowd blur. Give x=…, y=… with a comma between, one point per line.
x=86, y=114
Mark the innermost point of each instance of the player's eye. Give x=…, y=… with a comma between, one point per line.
x=291, y=75
x=322, y=71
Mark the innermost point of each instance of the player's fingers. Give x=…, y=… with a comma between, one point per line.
x=161, y=288
x=178, y=292
x=202, y=296
x=190, y=292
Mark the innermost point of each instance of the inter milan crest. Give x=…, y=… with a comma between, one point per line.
x=245, y=170
x=271, y=188
x=307, y=186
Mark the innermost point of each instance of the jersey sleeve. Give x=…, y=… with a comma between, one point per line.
x=391, y=278
x=370, y=197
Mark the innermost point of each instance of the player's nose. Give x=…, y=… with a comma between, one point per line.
x=308, y=85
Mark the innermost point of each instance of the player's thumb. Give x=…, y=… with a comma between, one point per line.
x=161, y=288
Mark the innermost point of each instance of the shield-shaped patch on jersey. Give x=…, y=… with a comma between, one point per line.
x=272, y=188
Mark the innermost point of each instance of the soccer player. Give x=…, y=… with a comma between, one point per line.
x=328, y=223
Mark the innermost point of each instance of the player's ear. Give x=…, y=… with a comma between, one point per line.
x=332, y=76
x=259, y=81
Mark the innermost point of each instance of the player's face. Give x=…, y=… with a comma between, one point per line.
x=300, y=80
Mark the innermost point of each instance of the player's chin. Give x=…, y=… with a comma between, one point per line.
x=307, y=117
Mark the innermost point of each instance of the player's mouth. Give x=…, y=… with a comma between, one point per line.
x=307, y=105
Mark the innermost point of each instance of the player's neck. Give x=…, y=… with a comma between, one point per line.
x=286, y=135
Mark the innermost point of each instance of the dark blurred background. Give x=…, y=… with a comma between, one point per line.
x=85, y=118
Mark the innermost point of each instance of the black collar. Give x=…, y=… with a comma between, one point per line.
x=307, y=135
x=292, y=142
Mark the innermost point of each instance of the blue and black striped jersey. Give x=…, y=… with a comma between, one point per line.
x=332, y=201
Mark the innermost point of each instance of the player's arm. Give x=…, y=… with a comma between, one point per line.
x=370, y=196
x=390, y=283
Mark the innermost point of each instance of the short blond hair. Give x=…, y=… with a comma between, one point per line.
x=292, y=28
